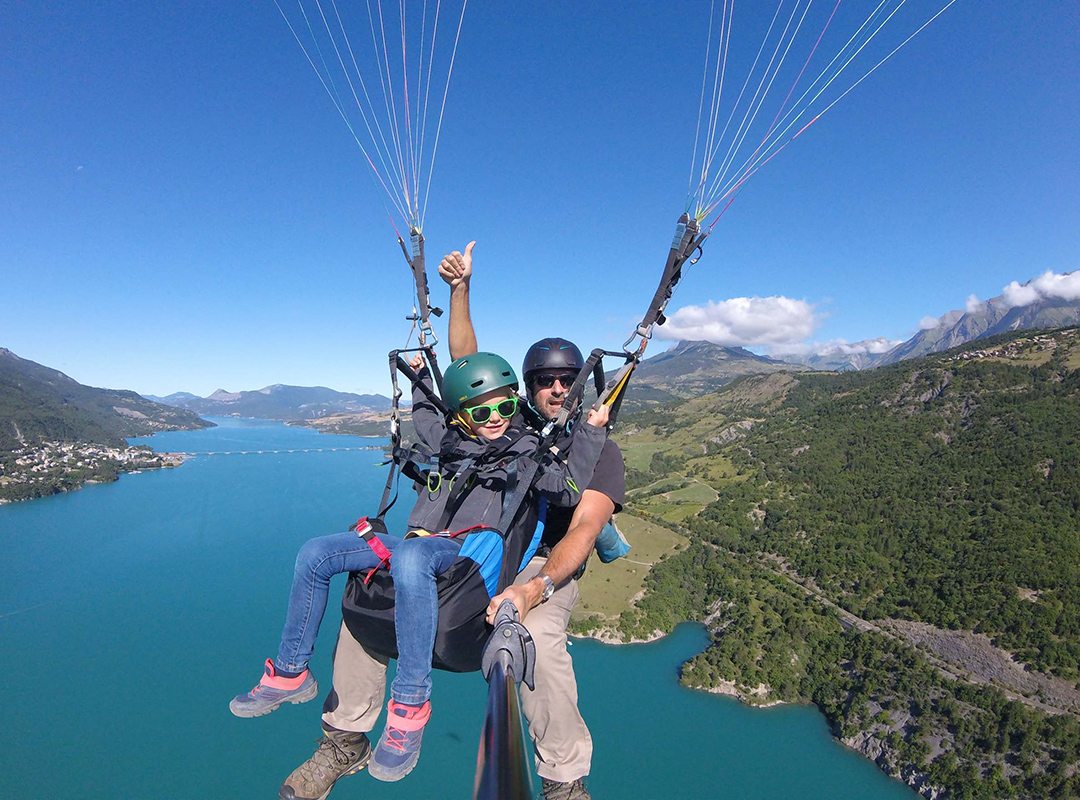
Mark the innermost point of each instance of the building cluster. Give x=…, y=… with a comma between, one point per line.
x=49, y=462
x=1013, y=349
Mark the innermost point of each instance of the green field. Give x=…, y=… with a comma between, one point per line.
x=668, y=498
x=697, y=492
x=639, y=454
x=609, y=589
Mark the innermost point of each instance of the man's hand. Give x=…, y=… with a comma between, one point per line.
x=417, y=362
x=456, y=268
x=525, y=597
x=598, y=417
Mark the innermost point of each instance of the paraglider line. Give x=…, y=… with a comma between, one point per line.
x=442, y=109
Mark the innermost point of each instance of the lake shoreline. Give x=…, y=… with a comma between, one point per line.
x=866, y=745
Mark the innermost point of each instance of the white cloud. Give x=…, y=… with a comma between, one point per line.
x=834, y=346
x=744, y=322
x=974, y=304
x=1049, y=285
x=881, y=344
x=1066, y=286
x=791, y=349
x=1017, y=295
x=928, y=323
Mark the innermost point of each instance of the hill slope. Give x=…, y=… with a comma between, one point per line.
x=39, y=404
x=858, y=513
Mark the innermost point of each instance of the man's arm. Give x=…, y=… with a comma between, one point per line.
x=456, y=270
x=590, y=517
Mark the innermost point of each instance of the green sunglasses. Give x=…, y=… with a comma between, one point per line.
x=481, y=414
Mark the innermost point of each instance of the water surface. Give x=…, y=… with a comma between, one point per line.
x=132, y=612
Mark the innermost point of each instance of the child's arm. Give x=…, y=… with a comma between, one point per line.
x=563, y=485
x=429, y=421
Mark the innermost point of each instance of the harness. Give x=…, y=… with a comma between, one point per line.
x=368, y=604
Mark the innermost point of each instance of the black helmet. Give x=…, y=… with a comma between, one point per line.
x=549, y=354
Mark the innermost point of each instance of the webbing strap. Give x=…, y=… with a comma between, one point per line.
x=614, y=393
x=398, y=364
x=458, y=483
x=511, y=506
x=366, y=529
x=573, y=397
x=422, y=315
x=401, y=365
x=688, y=238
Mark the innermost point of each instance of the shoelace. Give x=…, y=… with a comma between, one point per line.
x=396, y=738
x=331, y=753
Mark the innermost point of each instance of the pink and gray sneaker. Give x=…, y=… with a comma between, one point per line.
x=273, y=690
x=398, y=749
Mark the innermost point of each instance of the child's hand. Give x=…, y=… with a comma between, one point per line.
x=418, y=362
x=598, y=417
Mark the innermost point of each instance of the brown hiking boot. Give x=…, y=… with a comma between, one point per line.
x=575, y=790
x=339, y=754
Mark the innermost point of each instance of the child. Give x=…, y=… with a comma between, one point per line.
x=480, y=391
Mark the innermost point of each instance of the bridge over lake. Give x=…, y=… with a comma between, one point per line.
x=275, y=452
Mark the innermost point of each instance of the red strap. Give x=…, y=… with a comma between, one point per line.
x=364, y=530
x=465, y=531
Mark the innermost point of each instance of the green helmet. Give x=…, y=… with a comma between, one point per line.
x=471, y=376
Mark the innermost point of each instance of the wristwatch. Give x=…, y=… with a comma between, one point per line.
x=549, y=587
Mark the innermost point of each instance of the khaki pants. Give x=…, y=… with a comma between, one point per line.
x=562, y=743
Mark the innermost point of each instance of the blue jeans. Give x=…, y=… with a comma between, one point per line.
x=416, y=564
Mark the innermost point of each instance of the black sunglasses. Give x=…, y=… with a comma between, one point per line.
x=546, y=380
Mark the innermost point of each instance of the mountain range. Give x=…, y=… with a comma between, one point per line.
x=982, y=320
x=1024, y=306
x=279, y=402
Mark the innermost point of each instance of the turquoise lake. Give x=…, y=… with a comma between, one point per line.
x=132, y=612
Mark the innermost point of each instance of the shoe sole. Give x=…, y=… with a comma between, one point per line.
x=363, y=763
x=375, y=771
x=247, y=713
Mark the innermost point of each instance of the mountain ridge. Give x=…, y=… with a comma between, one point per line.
x=280, y=401
x=995, y=316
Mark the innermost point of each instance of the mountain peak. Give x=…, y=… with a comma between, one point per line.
x=222, y=396
x=694, y=367
x=705, y=348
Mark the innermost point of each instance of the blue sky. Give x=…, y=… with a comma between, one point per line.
x=181, y=208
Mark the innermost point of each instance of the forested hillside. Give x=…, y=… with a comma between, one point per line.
x=40, y=404
x=943, y=490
